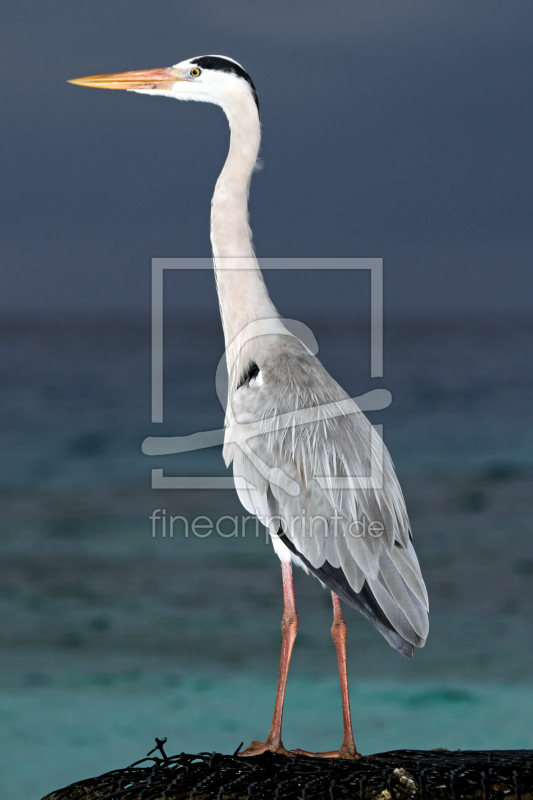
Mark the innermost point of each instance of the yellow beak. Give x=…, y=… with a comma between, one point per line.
x=142, y=79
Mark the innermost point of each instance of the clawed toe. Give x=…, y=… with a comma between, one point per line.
x=344, y=752
x=258, y=748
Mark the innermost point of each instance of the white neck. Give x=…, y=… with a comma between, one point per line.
x=242, y=293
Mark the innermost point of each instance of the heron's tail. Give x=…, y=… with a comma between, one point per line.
x=372, y=606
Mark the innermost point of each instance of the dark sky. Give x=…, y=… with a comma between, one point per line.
x=394, y=129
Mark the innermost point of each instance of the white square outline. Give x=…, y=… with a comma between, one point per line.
x=159, y=265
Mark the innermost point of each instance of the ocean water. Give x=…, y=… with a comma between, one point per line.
x=111, y=636
x=92, y=727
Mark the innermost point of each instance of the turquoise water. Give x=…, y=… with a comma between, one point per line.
x=73, y=733
x=111, y=637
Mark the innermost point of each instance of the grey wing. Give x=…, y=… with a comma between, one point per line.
x=289, y=477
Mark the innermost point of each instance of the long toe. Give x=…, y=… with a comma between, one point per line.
x=258, y=748
x=344, y=752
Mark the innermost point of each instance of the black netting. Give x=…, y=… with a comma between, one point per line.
x=397, y=775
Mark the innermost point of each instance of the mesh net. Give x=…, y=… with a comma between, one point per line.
x=396, y=775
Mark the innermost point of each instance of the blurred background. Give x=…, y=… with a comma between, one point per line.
x=400, y=131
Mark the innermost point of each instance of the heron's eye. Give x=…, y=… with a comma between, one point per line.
x=195, y=72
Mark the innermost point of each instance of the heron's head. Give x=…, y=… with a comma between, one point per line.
x=208, y=79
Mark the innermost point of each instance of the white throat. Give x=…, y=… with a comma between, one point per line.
x=242, y=293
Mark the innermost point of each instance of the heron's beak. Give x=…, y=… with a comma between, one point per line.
x=142, y=79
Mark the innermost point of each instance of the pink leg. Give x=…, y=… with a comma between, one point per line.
x=338, y=631
x=289, y=627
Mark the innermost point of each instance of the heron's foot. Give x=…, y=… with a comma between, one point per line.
x=346, y=751
x=258, y=748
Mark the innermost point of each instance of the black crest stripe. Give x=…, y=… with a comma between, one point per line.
x=225, y=65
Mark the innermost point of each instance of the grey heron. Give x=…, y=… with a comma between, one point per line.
x=301, y=448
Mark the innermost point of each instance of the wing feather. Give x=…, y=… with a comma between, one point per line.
x=279, y=427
